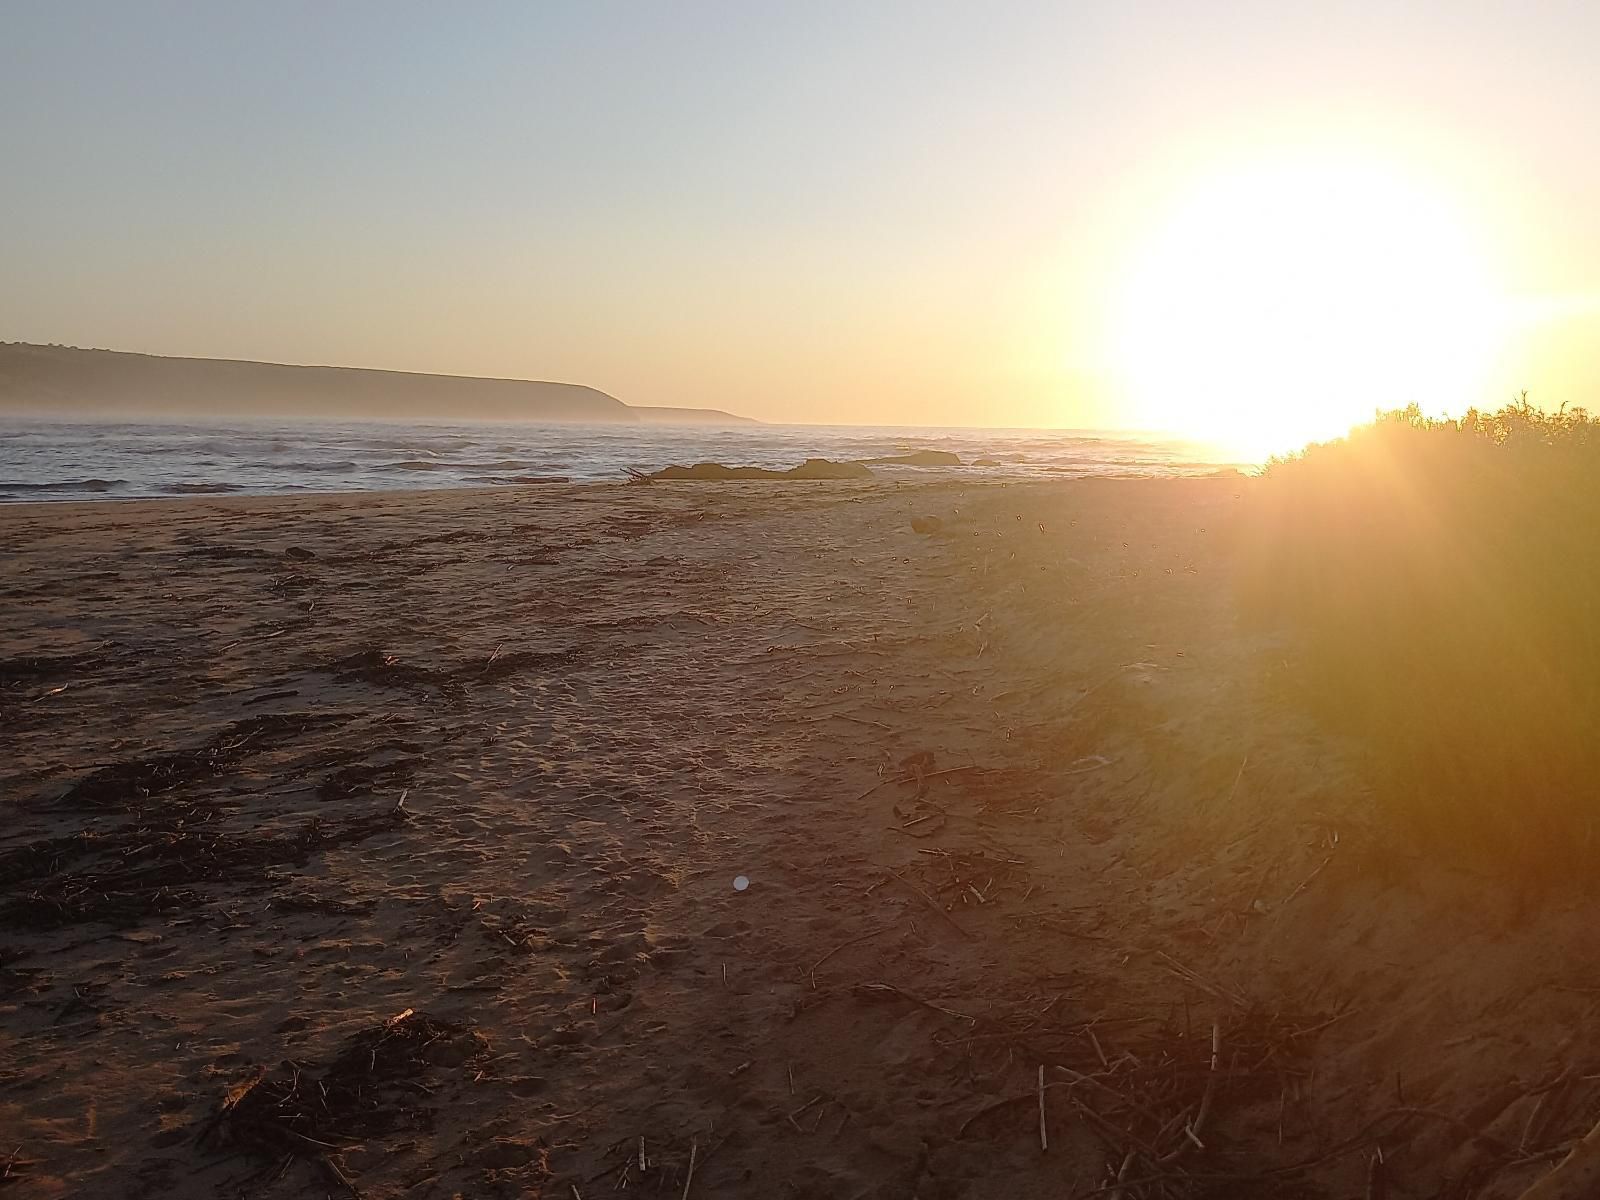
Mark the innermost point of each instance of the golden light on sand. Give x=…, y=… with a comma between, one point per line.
x=1281, y=303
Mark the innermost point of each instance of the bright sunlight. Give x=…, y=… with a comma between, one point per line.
x=1282, y=303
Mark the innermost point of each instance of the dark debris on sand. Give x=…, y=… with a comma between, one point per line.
x=153, y=839
x=131, y=782
x=150, y=868
x=379, y=668
x=373, y=1087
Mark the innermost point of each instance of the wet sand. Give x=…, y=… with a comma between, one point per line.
x=1048, y=878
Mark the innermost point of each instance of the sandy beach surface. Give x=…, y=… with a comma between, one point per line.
x=386, y=845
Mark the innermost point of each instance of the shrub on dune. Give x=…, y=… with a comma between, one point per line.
x=1443, y=577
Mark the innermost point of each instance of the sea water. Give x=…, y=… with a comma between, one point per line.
x=66, y=460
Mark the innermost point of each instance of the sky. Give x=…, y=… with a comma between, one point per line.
x=1066, y=215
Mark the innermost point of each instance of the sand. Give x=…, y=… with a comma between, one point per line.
x=1018, y=803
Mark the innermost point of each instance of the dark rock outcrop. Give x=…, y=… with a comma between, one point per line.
x=812, y=468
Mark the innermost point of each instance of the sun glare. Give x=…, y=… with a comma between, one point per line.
x=1284, y=303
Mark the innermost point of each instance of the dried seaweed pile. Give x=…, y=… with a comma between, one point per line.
x=154, y=861
x=227, y=553
x=127, y=784
x=373, y=1087
x=145, y=869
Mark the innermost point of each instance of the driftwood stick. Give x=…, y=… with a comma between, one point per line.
x=1044, y=1137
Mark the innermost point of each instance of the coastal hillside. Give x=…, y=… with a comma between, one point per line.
x=66, y=381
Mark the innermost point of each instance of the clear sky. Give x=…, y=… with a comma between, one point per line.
x=1057, y=214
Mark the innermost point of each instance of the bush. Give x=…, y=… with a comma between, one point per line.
x=1444, y=580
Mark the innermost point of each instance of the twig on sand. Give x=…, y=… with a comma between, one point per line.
x=1114, y=1134
x=855, y=941
x=1095, y=1042
x=1104, y=1089
x=1321, y=1025
x=1199, y=981
x=1235, y=788
x=905, y=830
x=1544, y=1092
x=13, y=1162
x=1044, y=1138
x=694, y=1151
x=803, y=1108
x=859, y=720
x=1575, y=1176
x=1122, y=1174
x=1365, y=1134
x=877, y=991
x=1211, y=1085
x=917, y=778
x=266, y=696
x=1305, y=883
x=933, y=904
x=331, y=1166
x=996, y=1106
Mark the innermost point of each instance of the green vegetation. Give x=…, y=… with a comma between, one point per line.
x=1443, y=578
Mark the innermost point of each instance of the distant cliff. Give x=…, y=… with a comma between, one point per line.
x=64, y=381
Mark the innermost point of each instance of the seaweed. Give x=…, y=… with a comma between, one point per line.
x=371, y=1088
x=130, y=782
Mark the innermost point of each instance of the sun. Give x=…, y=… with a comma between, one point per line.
x=1282, y=303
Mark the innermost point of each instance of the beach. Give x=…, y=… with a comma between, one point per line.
x=1047, y=879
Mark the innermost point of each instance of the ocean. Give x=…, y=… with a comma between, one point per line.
x=78, y=460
